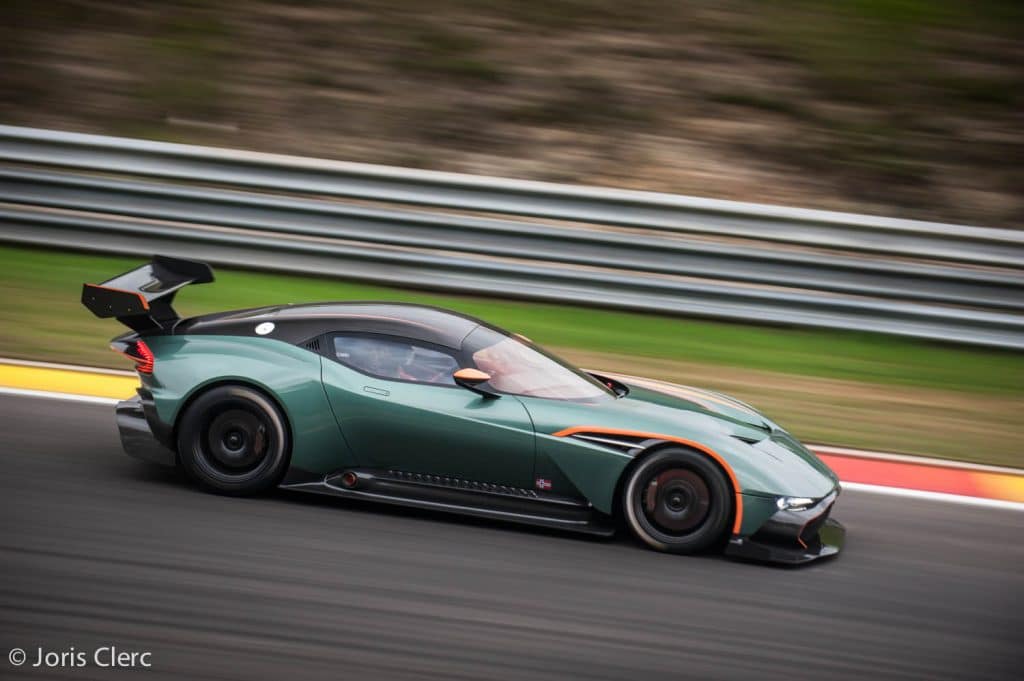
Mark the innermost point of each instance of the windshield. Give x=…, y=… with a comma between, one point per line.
x=521, y=368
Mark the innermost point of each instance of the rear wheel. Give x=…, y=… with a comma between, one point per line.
x=233, y=439
x=677, y=500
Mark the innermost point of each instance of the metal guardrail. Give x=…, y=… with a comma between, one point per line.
x=618, y=248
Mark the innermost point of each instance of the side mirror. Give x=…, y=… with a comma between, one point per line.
x=473, y=379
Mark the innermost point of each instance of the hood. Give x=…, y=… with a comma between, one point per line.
x=739, y=420
x=695, y=399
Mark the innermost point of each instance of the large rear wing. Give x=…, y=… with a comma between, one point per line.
x=141, y=298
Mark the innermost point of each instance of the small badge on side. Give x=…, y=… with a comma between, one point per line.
x=543, y=483
x=264, y=328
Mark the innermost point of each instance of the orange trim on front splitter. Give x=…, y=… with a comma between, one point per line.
x=689, y=443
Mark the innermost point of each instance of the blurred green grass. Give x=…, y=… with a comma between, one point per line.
x=43, y=318
x=856, y=389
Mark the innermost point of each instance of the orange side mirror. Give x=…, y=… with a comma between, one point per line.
x=473, y=379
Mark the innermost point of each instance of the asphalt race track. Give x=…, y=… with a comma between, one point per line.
x=99, y=549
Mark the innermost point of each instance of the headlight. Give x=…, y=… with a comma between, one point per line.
x=794, y=503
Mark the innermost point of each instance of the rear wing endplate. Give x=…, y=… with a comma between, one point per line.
x=141, y=299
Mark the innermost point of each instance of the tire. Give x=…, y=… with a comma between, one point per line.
x=234, y=440
x=678, y=501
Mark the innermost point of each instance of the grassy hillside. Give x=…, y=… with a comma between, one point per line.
x=900, y=107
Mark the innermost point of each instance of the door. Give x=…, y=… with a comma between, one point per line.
x=399, y=409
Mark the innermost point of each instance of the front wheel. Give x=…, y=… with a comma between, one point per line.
x=677, y=500
x=233, y=439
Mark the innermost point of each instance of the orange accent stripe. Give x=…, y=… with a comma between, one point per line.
x=142, y=298
x=689, y=443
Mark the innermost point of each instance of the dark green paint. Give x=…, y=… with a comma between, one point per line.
x=188, y=364
x=338, y=423
x=442, y=430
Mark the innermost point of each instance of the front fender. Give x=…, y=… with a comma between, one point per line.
x=758, y=474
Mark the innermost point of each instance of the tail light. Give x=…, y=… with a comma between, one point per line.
x=138, y=352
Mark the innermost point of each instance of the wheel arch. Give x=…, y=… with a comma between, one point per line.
x=204, y=388
x=656, y=442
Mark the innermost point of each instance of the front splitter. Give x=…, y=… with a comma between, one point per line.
x=828, y=543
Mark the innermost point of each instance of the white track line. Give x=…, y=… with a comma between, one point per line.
x=933, y=496
x=46, y=394
x=853, y=486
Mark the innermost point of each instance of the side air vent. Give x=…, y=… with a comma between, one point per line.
x=622, y=443
x=313, y=345
x=446, y=481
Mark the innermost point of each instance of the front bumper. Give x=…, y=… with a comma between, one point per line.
x=794, y=537
x=136, y=436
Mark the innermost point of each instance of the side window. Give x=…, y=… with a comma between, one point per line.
x=395, y=358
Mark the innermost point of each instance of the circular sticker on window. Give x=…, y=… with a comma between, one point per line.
x=264, y=328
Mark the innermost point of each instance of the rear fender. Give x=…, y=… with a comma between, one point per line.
x=187, y=365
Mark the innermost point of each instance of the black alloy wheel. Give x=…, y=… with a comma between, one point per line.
x=234, y=439
x=678, y=500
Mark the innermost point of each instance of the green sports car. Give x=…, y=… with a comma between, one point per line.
x=419, y=406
